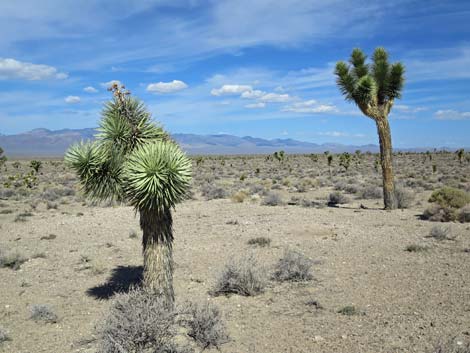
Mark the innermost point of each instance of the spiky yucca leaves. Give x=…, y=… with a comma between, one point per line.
x=126, y=124
x=135, y=162
x=99, y=170
x=374, y=88
x=156, y=176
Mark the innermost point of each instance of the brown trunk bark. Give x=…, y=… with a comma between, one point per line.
x=385, y=140
x=157, y=245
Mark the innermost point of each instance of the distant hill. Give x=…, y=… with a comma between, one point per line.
x=47, y=143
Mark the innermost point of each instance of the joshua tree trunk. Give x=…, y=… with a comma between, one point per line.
x=385, y=141
x=157, y=244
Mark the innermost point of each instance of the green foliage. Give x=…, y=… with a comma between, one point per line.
x=36, y=165
x=370, y=85
x=156, y=176
x=460, y=153
x=279, y=156
x=329, y=159
x=450, y=197
x=3, y=158
x=345, y=160
x=133, y=160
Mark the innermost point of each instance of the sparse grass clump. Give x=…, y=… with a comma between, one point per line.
x=452, y=347
x=464, y=214
x=404, y=197
x=204, y=324
x=243, y=277
x=259, y=241
x=12, y=259
x=349, y=310
x=272, y=199
x=137, y=321
x=4, y=335
x=371, y=192
x=239, y=196
x=337, y=198
x=416, y=248
x=293, y=267
x=441, y=233
x=211, y=192
x=44, y=313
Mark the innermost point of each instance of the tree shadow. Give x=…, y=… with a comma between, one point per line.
x=122, y=279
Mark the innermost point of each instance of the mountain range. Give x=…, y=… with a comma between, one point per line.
x=54, y=143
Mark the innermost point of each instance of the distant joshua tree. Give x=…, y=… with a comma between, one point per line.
x=3, y=158
x=374, y=89
x=133, y=161
x=460, y=153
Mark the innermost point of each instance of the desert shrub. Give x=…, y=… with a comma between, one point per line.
x=239, y=196
x=259, y=241
x=12, y=259
x=272, y=199
x=43, y=312
x=35, y=165
x=244, y=277
x=404, y=197
x=450, y=197
x=204, y=324
x=56, y=193
x=464, y=214
x=416, y=248
x=3, y=335
x=6, y=211
x=311, y=203
x=6, y=193
x=372, y=192
x=437, y=213
x=451, y=347
x=441, y=233
x=51, y=205
x=294, y=267
x=349, y=310
x=337, y=198
x=137, y=321
x=257, y=189
x=211, y=192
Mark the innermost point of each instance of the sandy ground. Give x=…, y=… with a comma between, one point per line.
x=407, y=301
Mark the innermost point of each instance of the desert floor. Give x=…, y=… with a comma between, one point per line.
x=79, y=255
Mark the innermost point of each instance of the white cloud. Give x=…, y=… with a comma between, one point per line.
x=310, y=107
x=72, y=99
x=449, y=114
x=14, y=69
x=90, y=89
x=167, y=87
x=333, y=133
x=258, y=105
x=252, y=94
x=110, y=83
x=226, y=90
x=275, y=98
x=408, y=109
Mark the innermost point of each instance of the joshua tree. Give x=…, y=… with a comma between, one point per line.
x=374, y=89
x=36, y=165
x=3, y=158
x=460, y=153
x=133, y=161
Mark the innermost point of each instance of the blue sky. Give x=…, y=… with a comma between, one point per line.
x=248, y=67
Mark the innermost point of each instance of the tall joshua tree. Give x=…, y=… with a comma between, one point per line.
x=133, y=161
x=374, y=88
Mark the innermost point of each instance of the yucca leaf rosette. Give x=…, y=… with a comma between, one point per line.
x=99, y=170
x=156, y=176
